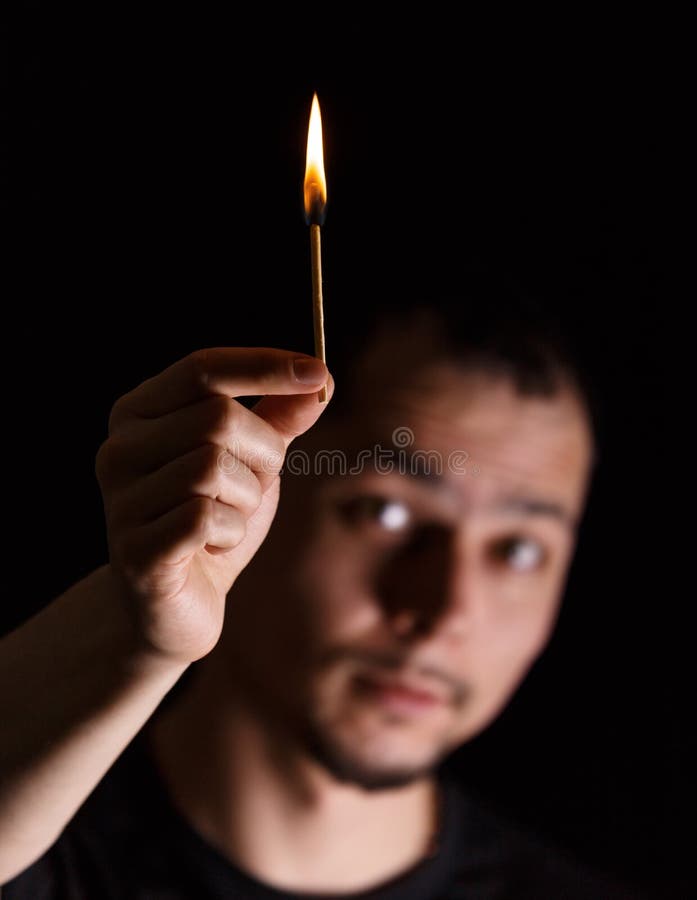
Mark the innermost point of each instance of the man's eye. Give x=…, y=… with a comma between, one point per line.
x=389, y=515
x=519, y=553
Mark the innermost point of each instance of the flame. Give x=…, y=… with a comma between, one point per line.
x=315, y=186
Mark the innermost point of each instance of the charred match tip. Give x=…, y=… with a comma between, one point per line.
x=315, y=206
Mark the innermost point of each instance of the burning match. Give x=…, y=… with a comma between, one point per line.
x=315, y=194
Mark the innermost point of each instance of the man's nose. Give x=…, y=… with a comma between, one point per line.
x=428, y=586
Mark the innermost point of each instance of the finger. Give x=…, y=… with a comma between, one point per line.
x=232, y=371
x=209, y=471
x=179, y=534
x=142, y=446
x=292, y=416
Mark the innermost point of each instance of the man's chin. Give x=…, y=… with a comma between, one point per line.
x=350, y=765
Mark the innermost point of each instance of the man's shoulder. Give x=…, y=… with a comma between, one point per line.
x=521, y=863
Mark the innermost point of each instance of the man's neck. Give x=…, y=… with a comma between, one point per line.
x=274, y=812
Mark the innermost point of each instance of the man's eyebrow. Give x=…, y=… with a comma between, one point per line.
x=533, y=506
x=420, y=468
x=523, y=504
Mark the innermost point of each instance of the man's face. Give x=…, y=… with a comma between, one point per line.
x=398, y=602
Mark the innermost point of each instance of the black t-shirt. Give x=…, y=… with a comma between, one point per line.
x=127, y=842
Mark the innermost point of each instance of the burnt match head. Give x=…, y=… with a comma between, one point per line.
x=315, y=206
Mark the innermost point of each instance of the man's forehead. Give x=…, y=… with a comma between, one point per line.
x=445, y=427
x=443, y=406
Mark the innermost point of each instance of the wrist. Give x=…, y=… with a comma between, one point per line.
x=136, y=654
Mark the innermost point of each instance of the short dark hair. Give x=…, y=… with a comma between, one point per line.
x=490, y=325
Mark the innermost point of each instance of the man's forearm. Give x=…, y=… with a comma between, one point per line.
x=75, y=687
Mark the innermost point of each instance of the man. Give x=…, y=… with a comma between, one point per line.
x=412, y=576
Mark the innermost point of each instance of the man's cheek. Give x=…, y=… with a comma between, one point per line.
x=337, y=588
x=344, y=614
x=502, y=659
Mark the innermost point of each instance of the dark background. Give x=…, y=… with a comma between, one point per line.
x=160, y=160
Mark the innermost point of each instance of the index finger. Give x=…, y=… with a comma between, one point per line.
x=231, y=371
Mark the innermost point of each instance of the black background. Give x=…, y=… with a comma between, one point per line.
x=160, y=165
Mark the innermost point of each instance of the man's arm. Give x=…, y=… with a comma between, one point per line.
x=75, y=687
x=190, y=480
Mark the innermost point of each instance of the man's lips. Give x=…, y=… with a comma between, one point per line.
x=397, y=693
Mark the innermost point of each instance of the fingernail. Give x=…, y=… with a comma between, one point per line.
x=309, y=370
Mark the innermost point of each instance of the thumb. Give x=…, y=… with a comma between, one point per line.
x=292, y=414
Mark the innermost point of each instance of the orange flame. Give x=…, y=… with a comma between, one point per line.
x=315, y=186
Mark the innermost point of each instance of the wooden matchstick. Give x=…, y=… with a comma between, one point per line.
x=317, y=306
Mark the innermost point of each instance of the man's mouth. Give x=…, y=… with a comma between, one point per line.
x=399, y=694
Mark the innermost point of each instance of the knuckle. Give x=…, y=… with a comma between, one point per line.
x=274, y=454
x=236, y=527
x=213, y=457
x=248, y=494
x=279, y=445
x=113, y=461
x=231, y=477
x=241, y=531
x=199, y=368
x=104, y=461
x=198, y=513
x=223, y=416
x=256, y=493
x=227, y=464
x=101, y=461
x=120, y=411
x=208, y=468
